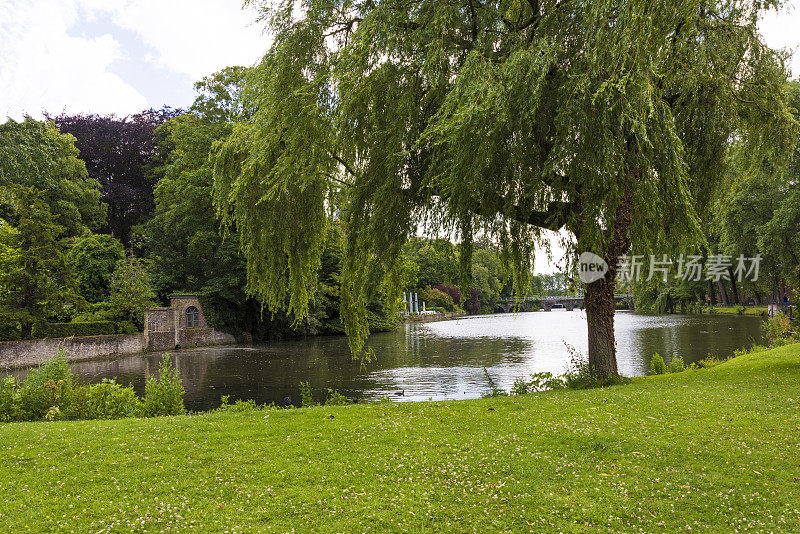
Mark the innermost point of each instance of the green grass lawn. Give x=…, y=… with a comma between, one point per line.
x=712, y=450
x=731, y=310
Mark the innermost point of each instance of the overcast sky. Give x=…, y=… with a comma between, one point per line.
x=117, y=56
x=123, y=56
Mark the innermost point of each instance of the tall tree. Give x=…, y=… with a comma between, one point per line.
x=610, y=119
x=35, y=280
x=94, y=258
x=120, y=153
x=35, y=154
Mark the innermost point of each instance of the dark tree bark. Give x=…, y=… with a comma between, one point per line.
x=722, y=293
x=712, y=294
x=599, y=299
x=757, y=296
x=734, y=289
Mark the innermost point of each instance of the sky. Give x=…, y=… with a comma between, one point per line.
x=117, y=56
x=123, y=56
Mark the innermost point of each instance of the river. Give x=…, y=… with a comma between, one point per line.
x=439, y=360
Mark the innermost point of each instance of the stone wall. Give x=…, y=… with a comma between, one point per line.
x=432, y=317
x=180, y=303
x=160, y=320
x=37, y=351
x=197, y=337
x=160, y=341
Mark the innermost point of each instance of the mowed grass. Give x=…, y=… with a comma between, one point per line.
x=713, y=450
x=749, y=310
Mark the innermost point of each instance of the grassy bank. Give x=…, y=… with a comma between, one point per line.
x=711, y=450
x=732, y=310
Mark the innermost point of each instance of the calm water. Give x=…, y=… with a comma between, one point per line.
x=429, y=361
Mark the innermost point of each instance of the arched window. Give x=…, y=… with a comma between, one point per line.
x=192, y=317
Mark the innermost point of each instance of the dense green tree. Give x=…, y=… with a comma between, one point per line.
x=610, y=119
x=131, y=291
x=35, y=154
x=120, y=153
x=35, y=277
x=185, y=243
x=759, y=214
x=552, y=284
x=779, y=237
x=435, y=261
x=487, y=278
x=183, y=239
x=93, y=258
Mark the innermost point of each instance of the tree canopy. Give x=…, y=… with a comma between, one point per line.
x=36, y=281
x=609, y=119
x=35, y=154
x=120, y=153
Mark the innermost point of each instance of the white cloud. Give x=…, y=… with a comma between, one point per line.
x=782, y=30
x=44, y=68
x=194, y=37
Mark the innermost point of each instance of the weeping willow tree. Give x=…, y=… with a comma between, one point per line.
x=608, y=120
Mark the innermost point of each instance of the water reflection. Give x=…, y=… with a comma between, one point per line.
x=430, y=361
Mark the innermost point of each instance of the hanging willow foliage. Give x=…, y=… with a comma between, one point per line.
x=499, y=118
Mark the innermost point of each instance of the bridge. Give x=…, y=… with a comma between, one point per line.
x=548, y=302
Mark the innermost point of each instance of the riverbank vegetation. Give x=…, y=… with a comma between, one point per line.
x=50, y=392
x=701, y=450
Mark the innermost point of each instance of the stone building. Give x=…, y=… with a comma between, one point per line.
x=181, y=325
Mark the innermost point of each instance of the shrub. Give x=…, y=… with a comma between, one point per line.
x=453, y=291
x=676, y=364
x=740, y=310
x=163, y=394
x=306, y=399
x=126, y=327
x=538, y=382
x=520, y=387
x=93, y=328
x=434, y=297
x=9, y=399
x=473, y=304
x=109, y=400
x=708, y=362
x=239, y=406
x=776, y=328
x=657, y=365
x=9, y=329
x=79, y=406
x=46, y=390
x=581, y=376
x=545, y=381
x=335, y=398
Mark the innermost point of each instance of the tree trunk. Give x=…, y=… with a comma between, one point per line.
x=26, y=331
x=599, y=298
x=600, y=318
x=734, y=289
x=756, y=296
x=712, y=297
x=722, y=293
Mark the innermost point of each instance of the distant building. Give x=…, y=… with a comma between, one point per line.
x=181, y=325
